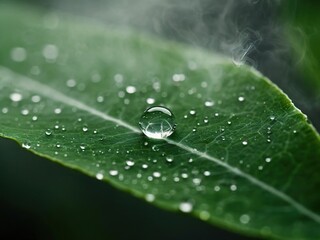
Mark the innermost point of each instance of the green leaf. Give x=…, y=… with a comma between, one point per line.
x=246, y=160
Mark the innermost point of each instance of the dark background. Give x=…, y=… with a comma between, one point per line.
x=43, y=200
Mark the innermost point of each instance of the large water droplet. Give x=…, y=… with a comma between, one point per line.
x=16, y=97
x=157, y=122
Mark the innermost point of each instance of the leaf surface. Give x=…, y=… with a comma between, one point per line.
x=242, y=156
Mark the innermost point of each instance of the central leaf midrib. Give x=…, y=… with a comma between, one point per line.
x=33, y=85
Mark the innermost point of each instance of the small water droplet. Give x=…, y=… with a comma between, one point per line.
x=216, y=188
x=26, y=145
x=157, y=122
x=156, y=174
x=178, y=77
x=144, y=166
x=113, y=172
x=150, y=100
x=206, y=173
x=169, y=159
x=272, y=118
x=268, y=159
x=100, y=99
x=185, y=207
x=233, y=187
x=57, y=110
x=245, y=143
x=244, y=218
x=24, y=112
x=34, y=118
x=99, y=176
x=150, y=197
x=82, y=147
x=16, y=97
x=192, y=112
x=209, y=103
x=5, y=110
x=71, y=83
x=48, y=132
x=50, y=52
x=204, y=215
x=131, y=89
x=241, y=99
x=130, y=163
x=35, y=98
x=18, y=54
x=85, y=128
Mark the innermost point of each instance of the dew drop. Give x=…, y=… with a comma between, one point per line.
x=178, y=77
x=204, y=215
x=150, y=100
x=192, y=112
x=5, y=110
x=169, y=159
x=216, y=188
x=18, y=54
x=35, y=98
x=71, y=83
x=244, y=143
x=240, y=99
x=233, y=187
x=131, y=89
x=99, y=176
x=34, y=118
x=156, y=174
x=57, y=110
x=16, y=97
x=130, y=163
x=113, y=172
x=48, y=132
x=24, y=112
x=208, y=103
x=149, y=197
x=157, y=122
x=268, y=159
x=185, y=207
x=50, y=52
x=26, y=145
x=244, y=219
x=100, y=99
x=85, y=128
x=272, y=118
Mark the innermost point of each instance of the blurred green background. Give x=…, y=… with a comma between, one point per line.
x=42, y=200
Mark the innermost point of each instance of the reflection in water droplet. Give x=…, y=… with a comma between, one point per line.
x=157, y=122
x=16, y=97
x=192, y=112
x=244, y=143
x=185, y=207
x=272, y=118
